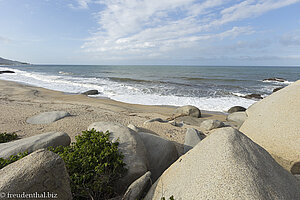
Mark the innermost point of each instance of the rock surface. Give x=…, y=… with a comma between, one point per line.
x=187, y=111
x=210, y=124
x=138, y=188
x=236, y=109
x=226, y=165
x=273, y=123
x=47, y=117
x=91, y=92
x=34, y=143
x=41, y=171
x=237, y=117
x=192, y=138
x=276, y=89
x=161, y=153
x=131, y=146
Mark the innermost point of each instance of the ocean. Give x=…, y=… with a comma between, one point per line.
x=213, y=88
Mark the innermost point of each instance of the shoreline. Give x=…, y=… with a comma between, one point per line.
x=19, y=102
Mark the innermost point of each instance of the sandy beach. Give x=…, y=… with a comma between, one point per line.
x=19, y=102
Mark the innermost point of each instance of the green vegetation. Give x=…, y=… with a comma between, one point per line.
x=94, y=164
x=11, y=159
x=7, y=137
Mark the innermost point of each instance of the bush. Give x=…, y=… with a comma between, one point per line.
x=7, y=137
x=11, y=159
x=94, y=164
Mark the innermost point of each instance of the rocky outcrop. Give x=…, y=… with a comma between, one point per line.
x=236, y=109
x=210, y=124
x=91, y=92
x=237, y=118
x=138, y=188
x=226, y=165
x=276, y=89
x=47, y=117
x=34, y=143
x=161, y=153
x=131, y=146
x=253, y=96
x=192, y=138
x=275, y=79
x=273, y=123
x=42, y=171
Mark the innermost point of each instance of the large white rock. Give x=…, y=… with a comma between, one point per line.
x=34, y=143
x=42, y=171
x=273, y=123
x=161, y=153
x=226, y=165
x=47, y=117
x=131, y=146
x=237, y=117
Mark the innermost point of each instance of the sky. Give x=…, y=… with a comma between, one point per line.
x=151, y=32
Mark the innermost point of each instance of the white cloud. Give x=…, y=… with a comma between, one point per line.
x=81, y=4
x=157, y=27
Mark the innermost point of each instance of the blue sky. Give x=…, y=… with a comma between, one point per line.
x=181, y=32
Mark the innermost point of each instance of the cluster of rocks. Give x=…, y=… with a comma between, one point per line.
x=234, y=159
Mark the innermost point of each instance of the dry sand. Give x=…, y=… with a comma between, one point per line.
x=19, y=102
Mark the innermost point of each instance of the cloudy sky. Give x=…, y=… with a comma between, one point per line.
x=181, y=32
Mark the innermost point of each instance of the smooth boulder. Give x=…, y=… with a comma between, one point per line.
x=211, y=124
x=226, y=165
x=236, y=109
x=237, y=117
x=47, y=117
x=161, y=153
x=138, y=188
x=131, y=146
x=33, y=143
x=192, y=138
x=273, y=123
x=253, y=96
x=187, y=111
x=42, y=171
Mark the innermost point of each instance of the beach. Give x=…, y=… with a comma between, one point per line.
x=19, y=102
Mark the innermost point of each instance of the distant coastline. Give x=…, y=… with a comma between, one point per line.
x=4, y=61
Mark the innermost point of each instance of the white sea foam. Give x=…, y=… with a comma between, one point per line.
x=121, y=91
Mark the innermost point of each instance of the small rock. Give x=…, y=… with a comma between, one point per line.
x=187, y=111
x=155, y=120
x=47, y=117
x=133, y=127
x=236, y=109
x=138, y=188
x=7, y=72
x=33, y=143
x=210, y=124
x=192, y=138
x=177, y=124
x=276, y=89
x=42, y=171
x=275, y=79
x=91, y=92
x=253, y=96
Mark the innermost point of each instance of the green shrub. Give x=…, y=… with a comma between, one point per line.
x=11, y=159
x=7, y=137
x=94, y=164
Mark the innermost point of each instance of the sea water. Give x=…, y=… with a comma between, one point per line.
x=214, y=88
